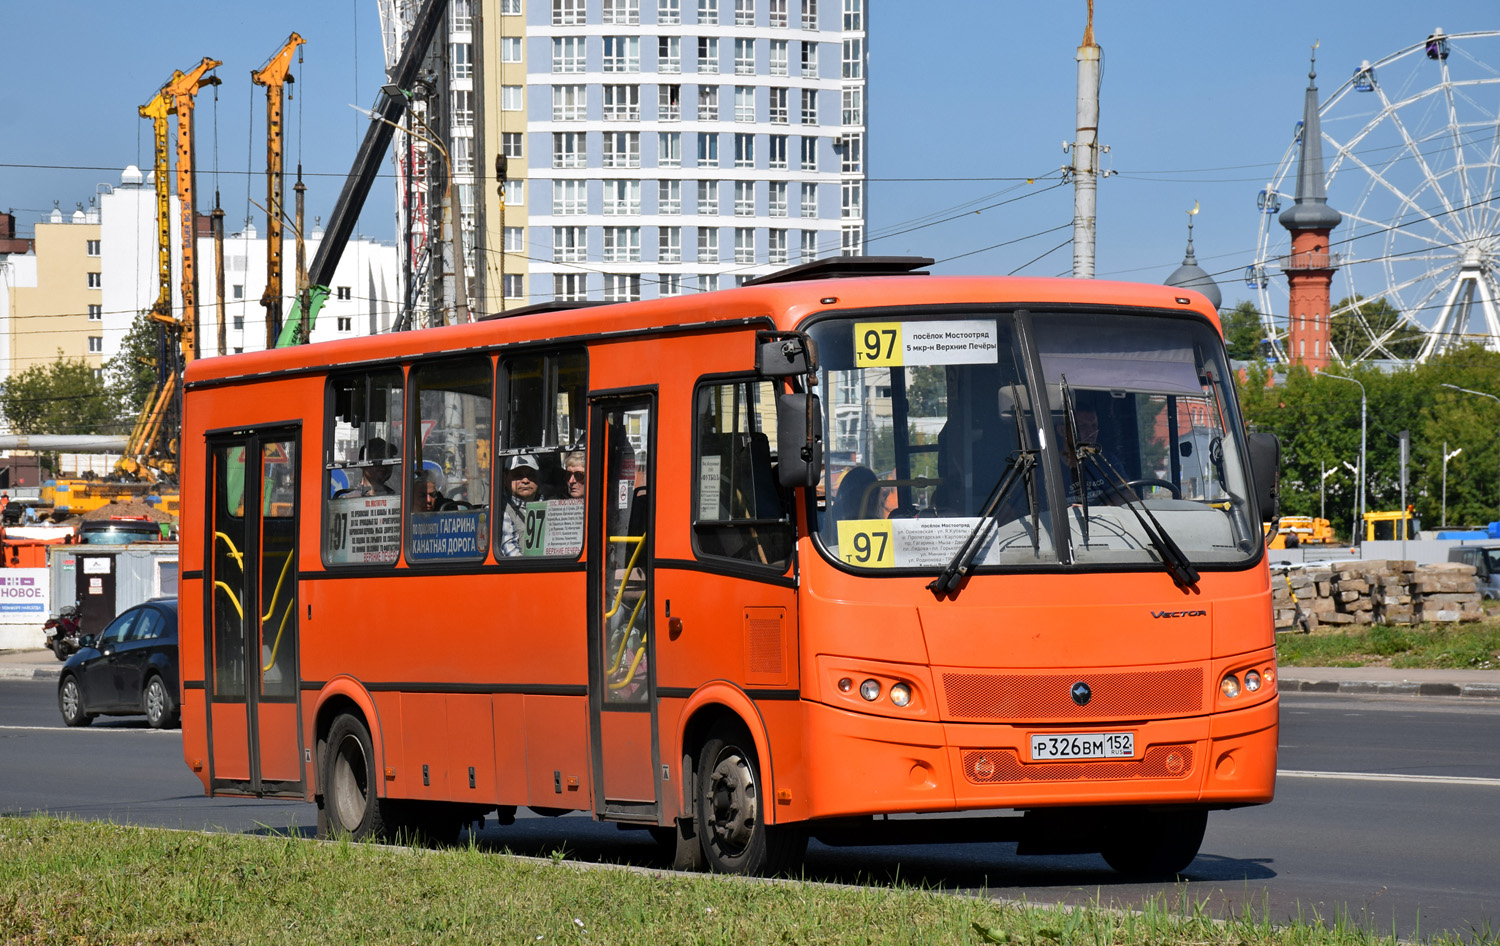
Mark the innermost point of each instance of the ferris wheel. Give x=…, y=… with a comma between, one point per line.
x=1412, y=144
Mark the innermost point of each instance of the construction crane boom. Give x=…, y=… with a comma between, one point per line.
x=274, y=76
x=182, y=89
x=156, y=111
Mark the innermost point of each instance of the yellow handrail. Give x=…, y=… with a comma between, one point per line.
x=630, y=674
x=233, y=600
x=640, y=543
x=238, y=558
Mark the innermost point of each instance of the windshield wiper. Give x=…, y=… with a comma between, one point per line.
x=1019, y=467
x=1172, y=557
x=1070, y=430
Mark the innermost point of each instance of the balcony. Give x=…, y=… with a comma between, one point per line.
x=1303, y=262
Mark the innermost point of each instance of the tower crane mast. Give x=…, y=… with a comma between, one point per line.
x=274, y=76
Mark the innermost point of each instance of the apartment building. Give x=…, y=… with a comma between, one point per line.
x=54, y=301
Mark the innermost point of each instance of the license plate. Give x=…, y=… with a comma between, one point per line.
x=1049, y=747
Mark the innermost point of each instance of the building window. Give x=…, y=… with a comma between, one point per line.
x=462, y=152
x=514, y=239
x=668, y=12
x=622, y=103
x=851, y=153
x=853, y=15
x=809, y=14
x=853, y=199
x=809, y=158
x=708, y=12
x=708, y=198
x=463, y=16
x=775, y=245
x=346, y=323
x=708, y=244
x=669, y=197
x=809, y=202
x=513, y=193
x=239, y=323
x=744, y=198
x=708, y=54
x=344, y=293
x=622, y=198
x=567, y=12
x=627, y=12
x=708, y=103
x=776, y=198
x=854, y=109
x=514, y=286
x=510, y=7
x=744, y=57
x=569, y=103
x=809, y=245
x=669, y=103
x=510, y=48
x=463, y=59
x=622, y=149
x=96, y=313
x=569, y=287
x=236, y=292
x=708, y=282
x=708, y=149
x=778, y=57
x=809, y=106
x=853, y=239
x=569, y=198
x=622, y=244
x=95, y=280
x=776, y=9
x=568, y=54
x=510, y=143
x=669, y=245
x=570, y=244
x=622, y=54
x=96, y=344
x=744, y=103
x=744, y=151
x=776, y=152
x=512, y=98
x=669, y=149
x=622, y=287
x=809, y=60
x=669, y=284
x=854, y=58
x=744, y=245
x=744, y=12
x=778, y=108
x=669, y=54
x=93, y=247
x=463, y=108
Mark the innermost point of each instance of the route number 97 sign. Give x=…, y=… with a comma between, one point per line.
x=894, y=344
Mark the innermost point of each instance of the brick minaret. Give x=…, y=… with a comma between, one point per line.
x=1310, y=267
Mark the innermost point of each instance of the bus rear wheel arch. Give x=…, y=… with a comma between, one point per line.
x=351, y=804
x=731, y=805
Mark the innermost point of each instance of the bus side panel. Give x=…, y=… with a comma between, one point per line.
x=195, y=734
x=231, y=742
x=424, y=735
x=471, y=748
x=557, y=754
x=1244, y=623
x=509, y=728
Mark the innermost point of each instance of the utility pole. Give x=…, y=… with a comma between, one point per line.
x=1086, y=153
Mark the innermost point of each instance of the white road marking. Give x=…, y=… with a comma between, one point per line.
x=1385, y=777
x=85, y=729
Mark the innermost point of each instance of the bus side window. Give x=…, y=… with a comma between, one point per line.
x=361, y=481
x=739, y=510
x=449, y=476
x=539, y=506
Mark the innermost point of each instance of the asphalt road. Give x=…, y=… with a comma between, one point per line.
x=1384, y=816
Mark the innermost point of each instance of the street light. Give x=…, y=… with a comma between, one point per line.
x=1364, y=471
x=1475, y=393
x=1446, y=457
x=1323, y=491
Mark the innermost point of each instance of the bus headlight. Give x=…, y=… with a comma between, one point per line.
x=1252, y=680
x=1230, y=686
x=870, y=690
x=900, y=694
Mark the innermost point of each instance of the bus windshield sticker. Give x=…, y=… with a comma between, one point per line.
x=904, y=543
x=440, y=536
x=553, y=528
x=364, y=529
x=708, y=487
x=891, y=344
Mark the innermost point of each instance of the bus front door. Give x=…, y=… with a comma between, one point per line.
x=622, y=683
x=252, y=681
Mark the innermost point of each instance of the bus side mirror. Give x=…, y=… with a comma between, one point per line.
x=799, y=439
x=1265, y=474
x=783, y=354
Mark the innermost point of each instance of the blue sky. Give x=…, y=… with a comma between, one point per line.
x=1198, y=104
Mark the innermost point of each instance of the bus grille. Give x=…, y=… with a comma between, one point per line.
x=987, y=766
x=1044, y=697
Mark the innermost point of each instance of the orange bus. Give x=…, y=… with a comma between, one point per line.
x=743, y=568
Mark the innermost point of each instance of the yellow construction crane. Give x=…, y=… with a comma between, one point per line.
x=274, y=76
x=182, y=89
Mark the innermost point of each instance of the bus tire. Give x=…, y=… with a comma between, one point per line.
x=351, y=803
x=1154, y=843
x=730, y=803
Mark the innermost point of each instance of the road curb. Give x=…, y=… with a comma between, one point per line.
x=30, y=673
x=1483, y=691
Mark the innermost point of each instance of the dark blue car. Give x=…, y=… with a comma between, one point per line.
x=128, y=669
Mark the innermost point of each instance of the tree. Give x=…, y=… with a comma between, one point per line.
x=63, y=397
x=1243, y=331
x=927, y=391
x=132, y=372
x=1356, y=323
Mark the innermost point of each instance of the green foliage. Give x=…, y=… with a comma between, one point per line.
x=61, y=397
x=1243, y=331
x=1355, y=324
x=927, y=391
x=132, y=372
x=1433, y=646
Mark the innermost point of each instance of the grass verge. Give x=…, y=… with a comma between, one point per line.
x=1472, y=646
x=72, y=882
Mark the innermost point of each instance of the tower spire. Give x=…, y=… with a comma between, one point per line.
x=1310, y=266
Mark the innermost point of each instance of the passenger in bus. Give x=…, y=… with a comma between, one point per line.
x=855, y=499
x=429, y=497
x=522, y=486
x=575, y=472
x=375, y=478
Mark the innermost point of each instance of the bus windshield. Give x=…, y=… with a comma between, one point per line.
x=1121, y=427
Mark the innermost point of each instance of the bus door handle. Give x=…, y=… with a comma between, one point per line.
x=674, y=625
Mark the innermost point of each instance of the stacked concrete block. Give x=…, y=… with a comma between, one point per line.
x=1447, y=592
x=1357, y=593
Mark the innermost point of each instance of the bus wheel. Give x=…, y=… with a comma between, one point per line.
x=351, y=804
x=1154, y=843
x=731, y=810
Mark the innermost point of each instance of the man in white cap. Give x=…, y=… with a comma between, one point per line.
x=522, y=486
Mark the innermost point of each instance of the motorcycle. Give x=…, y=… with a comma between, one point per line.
x=62, y=632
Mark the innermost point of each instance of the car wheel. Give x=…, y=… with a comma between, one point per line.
x=160, y=713
x=352, y=807
x=70, y=701
x=1154, y=843
x=731, y=810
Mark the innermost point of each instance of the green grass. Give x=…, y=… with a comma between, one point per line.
x=71, y=882
x=1472, y=646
